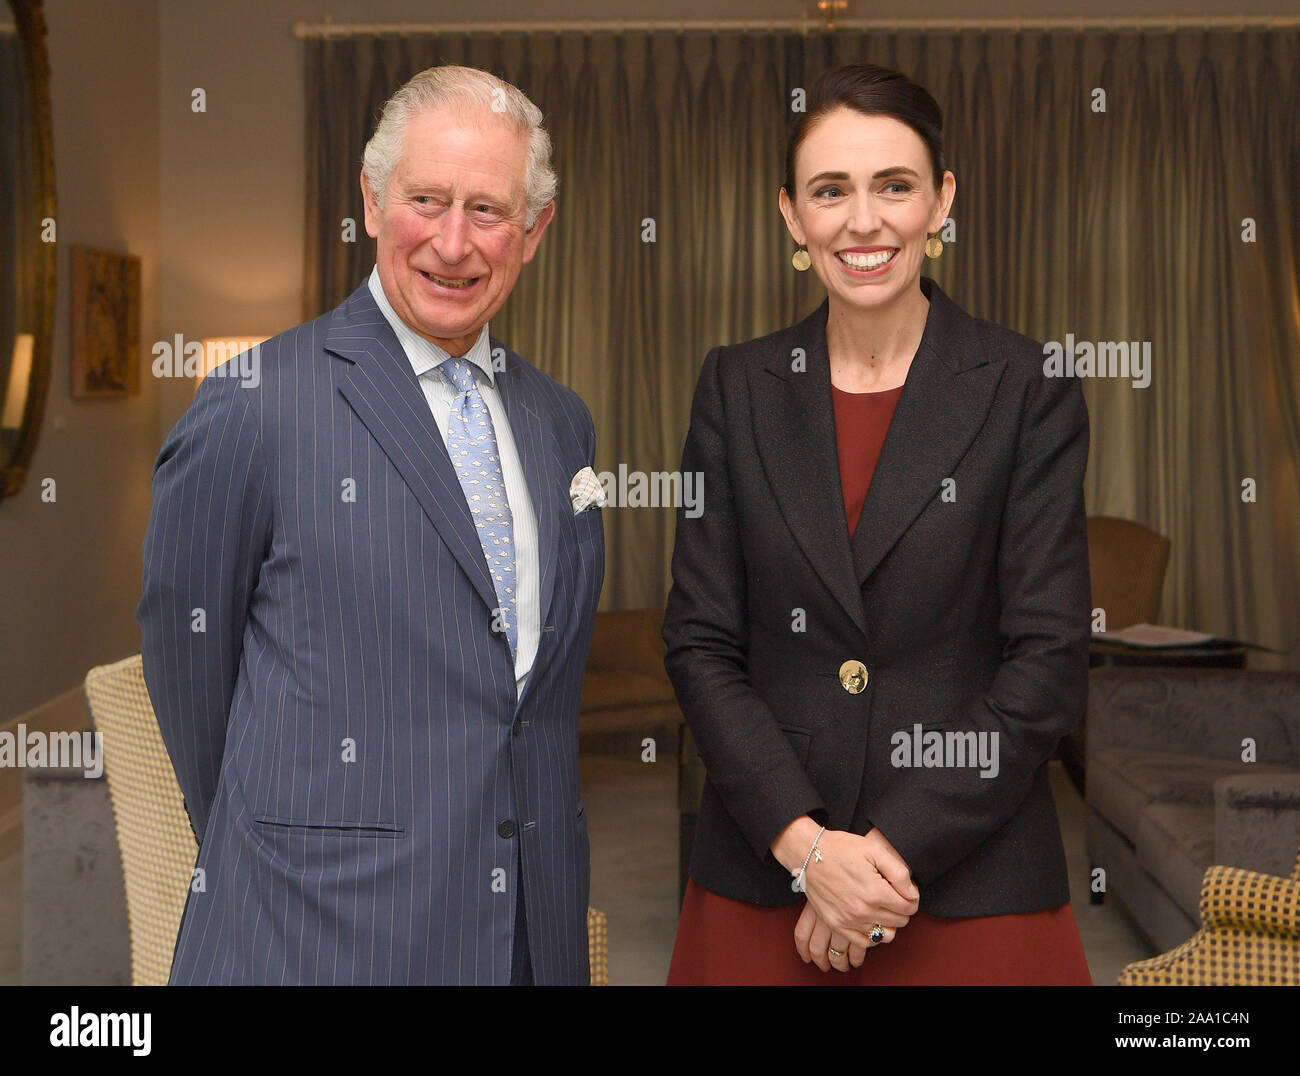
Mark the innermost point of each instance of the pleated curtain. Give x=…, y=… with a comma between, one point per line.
x=1116, y=186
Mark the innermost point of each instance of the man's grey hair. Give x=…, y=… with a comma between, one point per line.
x=468, y=90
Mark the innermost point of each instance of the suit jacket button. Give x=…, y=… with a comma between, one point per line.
x=517, y=727
x=853, y=677
x=506, y=829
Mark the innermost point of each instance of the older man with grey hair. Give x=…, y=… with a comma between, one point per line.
x=370, y=581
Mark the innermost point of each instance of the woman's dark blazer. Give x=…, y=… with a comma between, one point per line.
x=966, y=601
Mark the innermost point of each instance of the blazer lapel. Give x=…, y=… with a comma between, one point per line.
x=795, y=421
x=380, y=386
x=949, y=390
x=534, y=440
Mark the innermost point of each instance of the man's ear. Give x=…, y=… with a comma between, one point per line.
x=371, y=207
x=533, y=235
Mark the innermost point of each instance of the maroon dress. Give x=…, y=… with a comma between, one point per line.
x=721, y=941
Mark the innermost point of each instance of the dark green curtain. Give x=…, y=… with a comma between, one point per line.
x=1122, y=224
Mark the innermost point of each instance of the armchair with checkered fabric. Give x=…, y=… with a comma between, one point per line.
x=1249, y=936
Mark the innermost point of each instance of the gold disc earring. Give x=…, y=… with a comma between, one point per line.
x=933, y=247
x=801, y=260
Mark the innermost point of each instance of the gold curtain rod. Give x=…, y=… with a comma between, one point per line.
x=328, y=28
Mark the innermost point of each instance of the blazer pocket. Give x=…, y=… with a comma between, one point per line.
x=940, y=726
x=340, y=828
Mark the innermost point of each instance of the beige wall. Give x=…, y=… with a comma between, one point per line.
x=212, y=202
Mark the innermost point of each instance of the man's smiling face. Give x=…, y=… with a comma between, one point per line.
x=451, y=232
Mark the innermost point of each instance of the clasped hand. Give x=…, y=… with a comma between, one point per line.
x=860, y=882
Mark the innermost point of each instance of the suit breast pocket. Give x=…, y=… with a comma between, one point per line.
x=589, y=526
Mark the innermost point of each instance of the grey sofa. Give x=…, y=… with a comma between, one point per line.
x=1168, y=791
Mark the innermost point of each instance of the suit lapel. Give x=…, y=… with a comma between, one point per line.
x=534, y=441
x=947, y=395
x=949, y=390
x=380, y=386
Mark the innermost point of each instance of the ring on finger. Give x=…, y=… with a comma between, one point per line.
x=833, y=951
x=877, y=934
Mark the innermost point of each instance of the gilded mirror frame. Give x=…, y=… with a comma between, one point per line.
x=29, y=20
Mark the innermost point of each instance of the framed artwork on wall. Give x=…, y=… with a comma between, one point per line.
x=105, y=323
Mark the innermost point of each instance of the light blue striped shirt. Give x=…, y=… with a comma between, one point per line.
x=425, y=357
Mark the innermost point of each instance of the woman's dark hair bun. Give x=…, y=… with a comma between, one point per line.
x=872, y=91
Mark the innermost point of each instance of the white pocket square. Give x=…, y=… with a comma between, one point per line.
x=585, y=491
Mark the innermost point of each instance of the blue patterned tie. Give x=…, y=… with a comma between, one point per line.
x=472, y=445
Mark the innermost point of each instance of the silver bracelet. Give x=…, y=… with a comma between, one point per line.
x=797, y=884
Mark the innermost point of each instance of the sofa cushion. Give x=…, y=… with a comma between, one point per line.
x=1175, y=843
x=1121, y=782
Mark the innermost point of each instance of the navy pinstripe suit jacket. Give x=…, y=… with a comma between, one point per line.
x=344, y=727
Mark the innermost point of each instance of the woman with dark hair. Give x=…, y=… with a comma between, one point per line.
x=878, y=626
